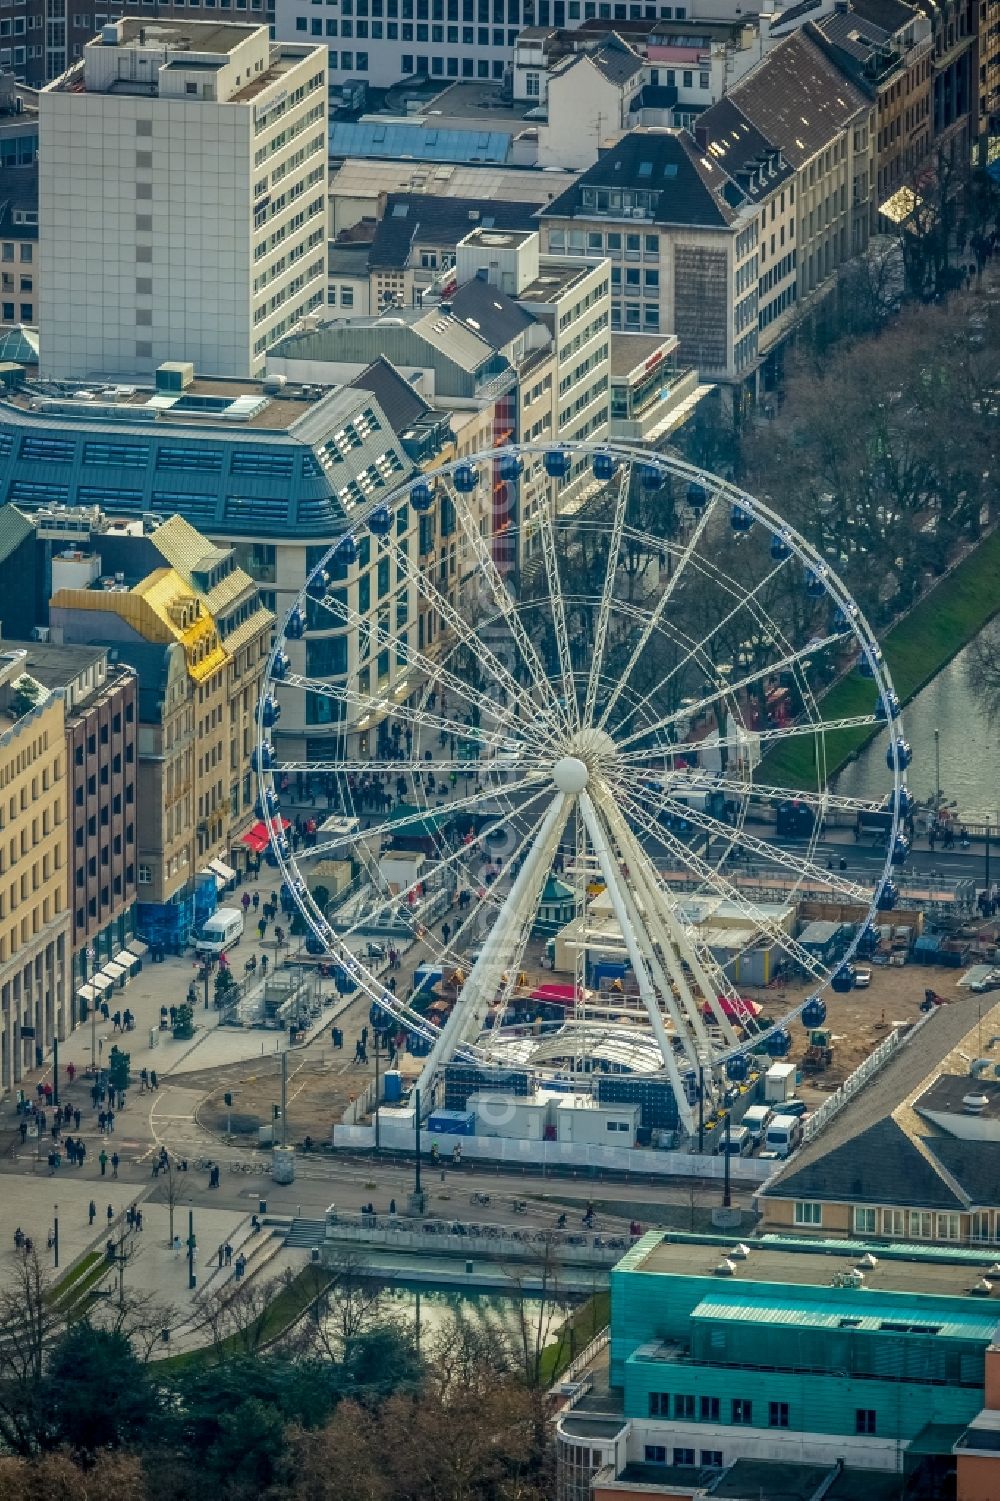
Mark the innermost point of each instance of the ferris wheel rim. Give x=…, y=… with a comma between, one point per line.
x=720, y=490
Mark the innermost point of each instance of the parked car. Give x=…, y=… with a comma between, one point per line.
x=990, y=981
x=862, y=979
x=794, y=1107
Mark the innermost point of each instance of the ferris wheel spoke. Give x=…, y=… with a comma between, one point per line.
x=419, y=717
x=679, y=782
x=434, y=670
x=400, y=767
x=745, y=601
x=724, y=888
x=547, y=699
x=525, y=723
x=607, y=596
x=689, y=711
x=558, y=614
x=658, y=609
x=386, y=827
x=758, y=737
x=773, y=855
x=463, y=852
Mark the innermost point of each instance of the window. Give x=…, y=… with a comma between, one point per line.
x=683, y=1456
x=684, y=1406
x=655, y=1454
x=531, y=85
x=864, y=1420
x=808, y=1214
x=894, y=1222
x=777, y=1414
x=741, y=1410
x=949, y=1227
x=145, y=875
x=709, y=1409
x=864, y=1221
x=711, y=1459
x=921, y=1224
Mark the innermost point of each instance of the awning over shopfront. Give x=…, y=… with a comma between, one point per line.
x=258, y=838
x=223, y=871
x=113, y=971
x=212, y=875
x=87, y=993
x=127, y=960
x=101, y=982
x=137, y=947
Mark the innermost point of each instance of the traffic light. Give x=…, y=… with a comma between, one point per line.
x=118, y=1069
x=228, y=1098
x=277, y=1112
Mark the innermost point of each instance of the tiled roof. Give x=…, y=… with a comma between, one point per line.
x=836, y=1154
x=891, y=15
x=732, y=140
x=401, y=404
x=616, y=61
x=798, y=98
x=14, y=527
x=425, y=218
x=489, y=312
x=691, y=187
x=881, y=1165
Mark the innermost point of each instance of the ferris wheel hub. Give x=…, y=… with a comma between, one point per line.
x=570, y=774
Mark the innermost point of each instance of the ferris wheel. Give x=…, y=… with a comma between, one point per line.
x=553, y=721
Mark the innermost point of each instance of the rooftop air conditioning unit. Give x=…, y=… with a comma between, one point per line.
x=40, y=633
x=726, y=1268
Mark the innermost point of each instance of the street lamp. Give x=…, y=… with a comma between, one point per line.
x=91, y=953
x=55, y=1236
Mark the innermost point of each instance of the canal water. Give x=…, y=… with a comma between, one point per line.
x=487, y=1314
x=969, y=749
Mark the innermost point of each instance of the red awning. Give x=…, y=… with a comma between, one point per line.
x=562, y=994
x=735, y=1010
x=259, y=837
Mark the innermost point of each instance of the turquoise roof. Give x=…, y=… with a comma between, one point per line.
x=863, y=1313
x=418, y=141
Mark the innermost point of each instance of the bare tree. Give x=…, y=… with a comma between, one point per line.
x=983, y=669
x=29, y=1317
x=349, y=1301
x=234, y=1315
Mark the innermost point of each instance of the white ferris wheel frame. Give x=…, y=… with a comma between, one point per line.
x=661, y=947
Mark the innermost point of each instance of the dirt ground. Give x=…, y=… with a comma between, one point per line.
x=319, y=1091
x=862, y=1018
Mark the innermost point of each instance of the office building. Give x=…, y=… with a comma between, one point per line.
x=99, y=700
x=35, y=923
x=182, y=613
x=868, y=1366
x=19, y=259
x=182, y=199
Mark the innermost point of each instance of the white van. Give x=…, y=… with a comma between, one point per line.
x=783, y=1135
x=755, y=1120
x=740, y=1143
x=223, y=930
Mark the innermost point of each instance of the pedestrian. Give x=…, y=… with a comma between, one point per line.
x=116, y=1022
x=143, y=1080
x=70, y=1150
x=71, y=1071
x=256, y=900
x=137, y=1219
x=262, y=928
x=111, y=1122
x=228, y=1254
x=222, y=1249
x=392, y=1206
x=81, y=1151
x=91, y=1212
x=111, y=1213
x=115, y=1159
x=102, y=1121
x=245, y=904
x=102, y=1158
x=153, y=1080
x=76, y=1119
x=23, y=1128
x=263, y=964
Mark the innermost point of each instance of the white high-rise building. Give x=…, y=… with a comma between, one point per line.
x=182, y=203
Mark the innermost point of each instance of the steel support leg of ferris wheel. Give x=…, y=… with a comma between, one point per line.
x=612, y=880
x=499, y=947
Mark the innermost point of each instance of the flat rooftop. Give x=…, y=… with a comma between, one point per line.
x=55, y=665
x=929, y=1270
x=183, y=35
x=554, y=281
x=232, y=404
x=947, y=1096
x=630, y=352
x=498, y=239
